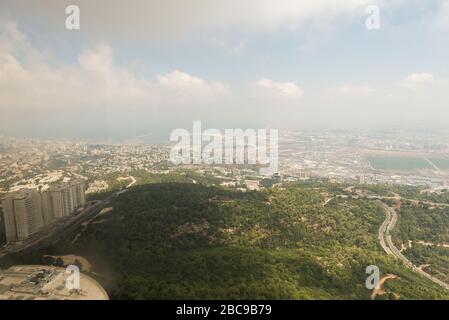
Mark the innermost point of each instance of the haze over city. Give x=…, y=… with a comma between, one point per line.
x=155, y=66
x=249, y=155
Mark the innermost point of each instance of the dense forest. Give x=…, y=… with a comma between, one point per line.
x=169, y=238
x=423, y=232
x=422, y=223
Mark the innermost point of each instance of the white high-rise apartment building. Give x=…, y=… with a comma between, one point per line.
x=27, y=211
x=23, y=216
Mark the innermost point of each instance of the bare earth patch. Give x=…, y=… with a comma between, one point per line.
x=69, y=259
x=381, y=290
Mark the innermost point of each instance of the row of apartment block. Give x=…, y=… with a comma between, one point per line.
x=26, y=211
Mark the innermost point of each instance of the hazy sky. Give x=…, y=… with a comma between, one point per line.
x=142, y=67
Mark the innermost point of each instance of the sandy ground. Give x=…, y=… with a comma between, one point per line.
x=381, y=290
x=430, y=244
x=86, y=266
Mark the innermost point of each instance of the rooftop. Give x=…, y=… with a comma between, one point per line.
x=39, y=282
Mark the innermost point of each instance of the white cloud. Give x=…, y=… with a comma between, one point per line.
x=97, y=61
x=29, y=78
x=269, y=89
x=417, y=79
x=181, y=87
x=355, y=90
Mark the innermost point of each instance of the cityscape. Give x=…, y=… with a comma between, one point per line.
x=219, y=158
x=420, y=160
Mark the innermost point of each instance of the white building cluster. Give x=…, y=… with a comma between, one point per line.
x=26, y=211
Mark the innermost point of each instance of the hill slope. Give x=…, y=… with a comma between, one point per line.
x=189, y=241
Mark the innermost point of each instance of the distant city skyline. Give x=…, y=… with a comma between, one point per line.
x=158, y=65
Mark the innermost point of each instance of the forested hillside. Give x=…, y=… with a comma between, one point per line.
x=423, y=233
x=179, y=240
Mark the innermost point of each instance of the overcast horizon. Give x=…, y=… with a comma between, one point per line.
x=159, y=65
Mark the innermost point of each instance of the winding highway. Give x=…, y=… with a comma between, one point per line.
x=387, y=244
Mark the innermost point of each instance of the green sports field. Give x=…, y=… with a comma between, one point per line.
x=398, y=163
x=441, y=163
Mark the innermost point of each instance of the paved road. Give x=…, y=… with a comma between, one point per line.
x=389, y=247
x=382, y=232
x=436, y=204
x=133, y=181
x=437, y=170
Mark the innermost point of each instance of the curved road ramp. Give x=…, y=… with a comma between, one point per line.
x=37, y=282
x=387, y=244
